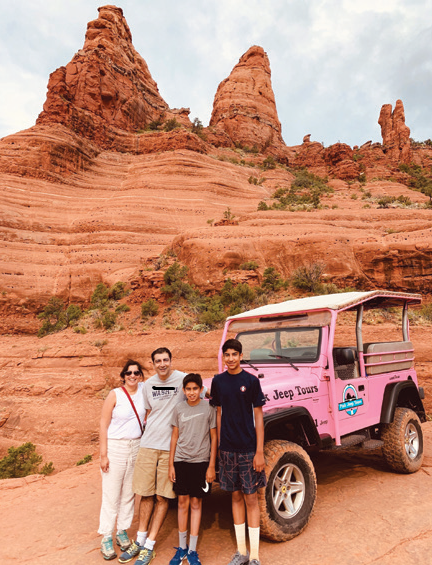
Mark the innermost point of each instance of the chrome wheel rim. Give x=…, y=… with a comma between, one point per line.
x=412, y=441
x=288, y=491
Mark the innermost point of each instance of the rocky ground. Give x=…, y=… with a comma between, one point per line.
x=364, y=515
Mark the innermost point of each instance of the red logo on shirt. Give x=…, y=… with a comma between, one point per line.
x=243, y=388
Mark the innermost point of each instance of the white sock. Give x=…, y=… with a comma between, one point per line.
x=107, y=537
x=193, y=540
x=254, y=542
x=149, y=544
x=183, y=539
x=141, y=537
x=240, y=532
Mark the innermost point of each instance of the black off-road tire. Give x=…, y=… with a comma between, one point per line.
x=284, y=456
x=403, y=442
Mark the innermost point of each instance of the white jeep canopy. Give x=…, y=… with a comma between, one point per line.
x=339, y=301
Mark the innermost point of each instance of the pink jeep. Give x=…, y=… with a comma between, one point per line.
x=324, y=397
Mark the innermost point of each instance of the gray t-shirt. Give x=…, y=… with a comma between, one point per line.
x=194, y=424
x=161, y=398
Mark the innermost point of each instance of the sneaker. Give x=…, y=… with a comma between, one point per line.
x=107, y=548
x=130, y=553
x=145, y=556
x=254, y=562
x=239, y=559
x=193, y=558
x=180, y=554
x=123, y=540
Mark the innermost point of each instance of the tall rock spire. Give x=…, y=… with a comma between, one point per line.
x=244, y=105
x=107, y=83
x=395, y=133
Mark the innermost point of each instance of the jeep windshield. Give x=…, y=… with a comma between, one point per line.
x=287, y=345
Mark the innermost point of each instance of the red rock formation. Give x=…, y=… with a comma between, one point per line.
x=244, y=105
x=106, y=85
x=395, y=133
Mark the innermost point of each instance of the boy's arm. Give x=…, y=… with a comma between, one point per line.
x=218, y=424
x=258, y=461
x=173, y=445
x=211, y=470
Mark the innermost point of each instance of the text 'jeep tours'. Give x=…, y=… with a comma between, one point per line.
x=324, y=397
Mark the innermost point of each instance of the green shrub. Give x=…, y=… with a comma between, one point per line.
x=117, y=291
x=228, y=215
x=308, y=277
x=385, y=201
x=55, y=318
x=174, y=283
x=84, y=460
x=154, y=125
x=249, y=266
x=212, y=313
x=262, y=206
x=171, y=124
x=22, y=461
x=269, y=163
x=80, y=330
x=109, y=320
x=100, y=297
x=272, y=280
x=73, y=314
x=149, y=308
x=426, y=311
x=122, y=308
x=197, y=126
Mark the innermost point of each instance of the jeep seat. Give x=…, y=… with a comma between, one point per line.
x=261, y=354
x=345, y=363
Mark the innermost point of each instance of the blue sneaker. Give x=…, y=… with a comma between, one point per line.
x=122, y=540
x=193, y=558
x=107, y=548
x=180, y=554
x=131, y=552
x=145, y=556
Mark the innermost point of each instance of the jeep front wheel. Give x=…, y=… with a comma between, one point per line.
x=403, y=442
x=287, y=502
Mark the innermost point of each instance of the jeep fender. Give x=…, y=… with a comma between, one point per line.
x=276, y=419
x=404, y=394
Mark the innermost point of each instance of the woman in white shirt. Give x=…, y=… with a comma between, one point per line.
x=121, y=429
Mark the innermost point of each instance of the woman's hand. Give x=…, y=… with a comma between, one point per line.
x=210, y=474
x=171, y=474
x=104, y=463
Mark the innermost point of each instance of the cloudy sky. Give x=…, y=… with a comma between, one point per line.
x=334, y=62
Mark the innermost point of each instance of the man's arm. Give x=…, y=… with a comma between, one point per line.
x=258, y=461
x=211, y=470
x=173, y=445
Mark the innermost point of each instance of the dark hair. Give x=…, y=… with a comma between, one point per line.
x=192, y=378
x=129, y=363
x=232, y=344
x=159, y=351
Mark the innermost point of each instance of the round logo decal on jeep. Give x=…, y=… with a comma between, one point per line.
x=350, y=400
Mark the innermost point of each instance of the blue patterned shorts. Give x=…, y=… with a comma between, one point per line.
x=236, y=472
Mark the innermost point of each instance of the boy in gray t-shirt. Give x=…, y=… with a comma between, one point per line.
x=192, y=462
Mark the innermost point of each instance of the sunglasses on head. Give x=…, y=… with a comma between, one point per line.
x=129, y=373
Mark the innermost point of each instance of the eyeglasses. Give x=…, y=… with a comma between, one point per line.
x=129, y=373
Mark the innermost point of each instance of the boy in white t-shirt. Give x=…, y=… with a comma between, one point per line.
x=192, y=463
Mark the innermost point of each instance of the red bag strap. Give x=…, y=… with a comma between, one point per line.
x=134, y=409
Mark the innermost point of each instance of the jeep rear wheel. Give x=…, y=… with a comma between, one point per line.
x=287, y=502
x=403, y=442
